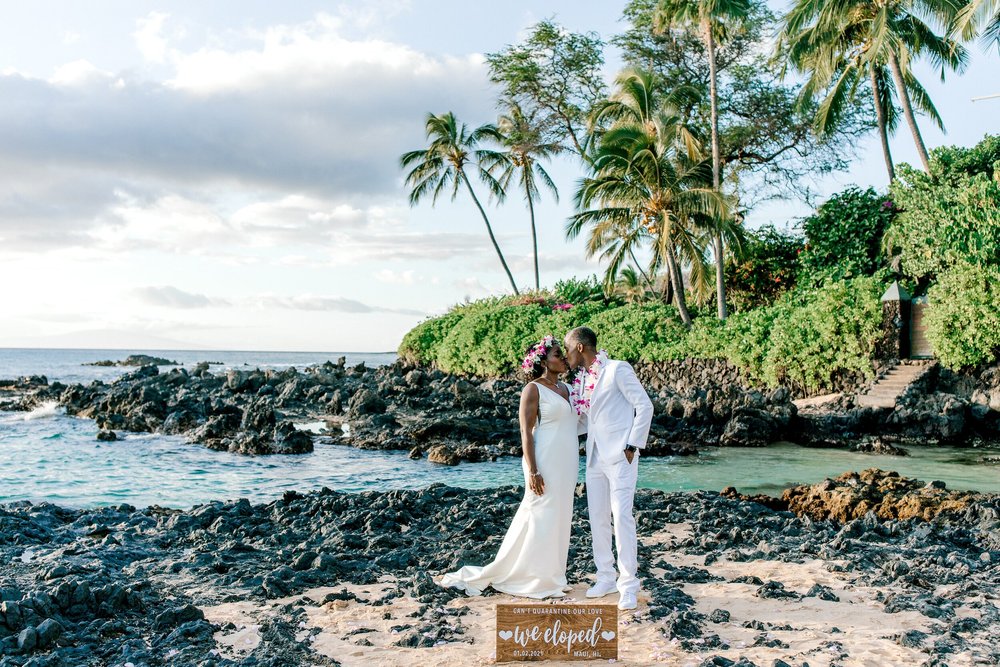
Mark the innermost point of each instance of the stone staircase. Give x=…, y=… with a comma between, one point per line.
x=891, y=385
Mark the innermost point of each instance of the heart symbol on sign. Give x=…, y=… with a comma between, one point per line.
x=607, y=635
x=505, y=634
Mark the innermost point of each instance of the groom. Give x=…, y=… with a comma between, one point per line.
x=615, y=413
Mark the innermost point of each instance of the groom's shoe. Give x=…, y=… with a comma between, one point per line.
x=628, y=601
x=602, y=588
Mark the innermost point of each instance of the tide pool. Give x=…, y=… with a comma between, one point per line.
x=48, y=456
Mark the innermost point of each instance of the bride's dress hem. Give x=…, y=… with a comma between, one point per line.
x=476, y=592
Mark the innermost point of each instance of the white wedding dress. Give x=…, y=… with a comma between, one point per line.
x=531, y=561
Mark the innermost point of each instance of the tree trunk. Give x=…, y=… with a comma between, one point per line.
x=720, y=275
x=638, y=266
x=904, y=98
x=534, y=236
x=668, y=292
x=676, y=277
x=489, y=230
x=883, y=131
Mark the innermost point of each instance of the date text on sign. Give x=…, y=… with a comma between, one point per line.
x=557, y=632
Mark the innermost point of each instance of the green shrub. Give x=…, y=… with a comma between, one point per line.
x=421, y=344
x=578, y=291
x=950, y=217
x=638, y=331
x=490, y=342
x=820, y=333
x=765, y=268
x=844, y=236
x=963, y=317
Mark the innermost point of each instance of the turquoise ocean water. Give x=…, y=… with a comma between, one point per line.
x=48, y=456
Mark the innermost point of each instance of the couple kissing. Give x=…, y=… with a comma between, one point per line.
x=607, y=402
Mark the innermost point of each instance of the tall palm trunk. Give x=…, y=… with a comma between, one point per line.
x=883, y=131
x=904, y=99
x=534, y=235
x=489, y=230
x=676, y=277
x=668, y=292
x=717, y=243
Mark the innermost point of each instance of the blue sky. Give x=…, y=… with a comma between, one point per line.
x=224, y=174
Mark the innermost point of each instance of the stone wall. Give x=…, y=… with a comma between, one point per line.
x=681, y=375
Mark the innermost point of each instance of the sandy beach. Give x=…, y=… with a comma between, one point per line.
x=870, y=569
x=852, y=630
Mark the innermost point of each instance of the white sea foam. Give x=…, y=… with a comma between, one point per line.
x=44, y=411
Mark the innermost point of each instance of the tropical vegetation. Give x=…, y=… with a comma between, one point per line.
x=707, y=120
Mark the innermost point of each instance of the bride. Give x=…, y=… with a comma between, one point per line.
x=531, y=561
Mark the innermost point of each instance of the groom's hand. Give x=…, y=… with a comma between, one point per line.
x=629, y=455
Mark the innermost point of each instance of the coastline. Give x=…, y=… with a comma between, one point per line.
x=450, y=419
x=331, y=578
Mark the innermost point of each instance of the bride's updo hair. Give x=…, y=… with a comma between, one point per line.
x=533, y=364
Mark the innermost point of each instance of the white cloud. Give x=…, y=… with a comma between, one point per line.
x=79, y=73
x=310, y=56
x=300, y=109
x=337, y=304
x=149, y=38
x=171, y=223
x=552, y=262
x=473, y=287
x=295, y=218
x=172, y=297
x=359, y=247
x=391, y=277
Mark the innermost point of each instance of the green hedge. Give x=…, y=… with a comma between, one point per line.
x=963, y=318
x=804, y=339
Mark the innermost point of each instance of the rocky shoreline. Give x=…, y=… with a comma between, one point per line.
x=451, y=419
x=120, y=585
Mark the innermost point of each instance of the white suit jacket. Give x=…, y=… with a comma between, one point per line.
x=620, y=412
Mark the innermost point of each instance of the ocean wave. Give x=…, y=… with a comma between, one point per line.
x=44, y=411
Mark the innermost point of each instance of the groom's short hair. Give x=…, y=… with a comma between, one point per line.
x=585, y=336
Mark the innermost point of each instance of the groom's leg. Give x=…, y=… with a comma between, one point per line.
x=622, y=481
x=599, y=509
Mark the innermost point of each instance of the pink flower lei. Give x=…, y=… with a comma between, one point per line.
x=584, y=383
x=538, y=351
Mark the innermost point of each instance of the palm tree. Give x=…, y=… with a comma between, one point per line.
x=638, y=103
x=442, y=166
x=826, y=61
x=526, y=145
x=979, y=18
x=840, y=44
x=644, y=180
x=710, y=18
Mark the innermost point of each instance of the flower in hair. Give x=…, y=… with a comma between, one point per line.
x=537, y=352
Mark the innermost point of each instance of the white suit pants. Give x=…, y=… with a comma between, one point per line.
x=610, y=494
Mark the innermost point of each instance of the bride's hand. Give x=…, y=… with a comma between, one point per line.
x=537, y=484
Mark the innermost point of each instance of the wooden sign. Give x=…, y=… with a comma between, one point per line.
x=557, y=632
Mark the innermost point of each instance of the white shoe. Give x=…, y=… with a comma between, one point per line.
x=628, y=601
x=602, y=588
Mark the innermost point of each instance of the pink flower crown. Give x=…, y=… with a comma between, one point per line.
x=538, y=351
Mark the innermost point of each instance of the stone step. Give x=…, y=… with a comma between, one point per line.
x=903, y=374
x=870, y=401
